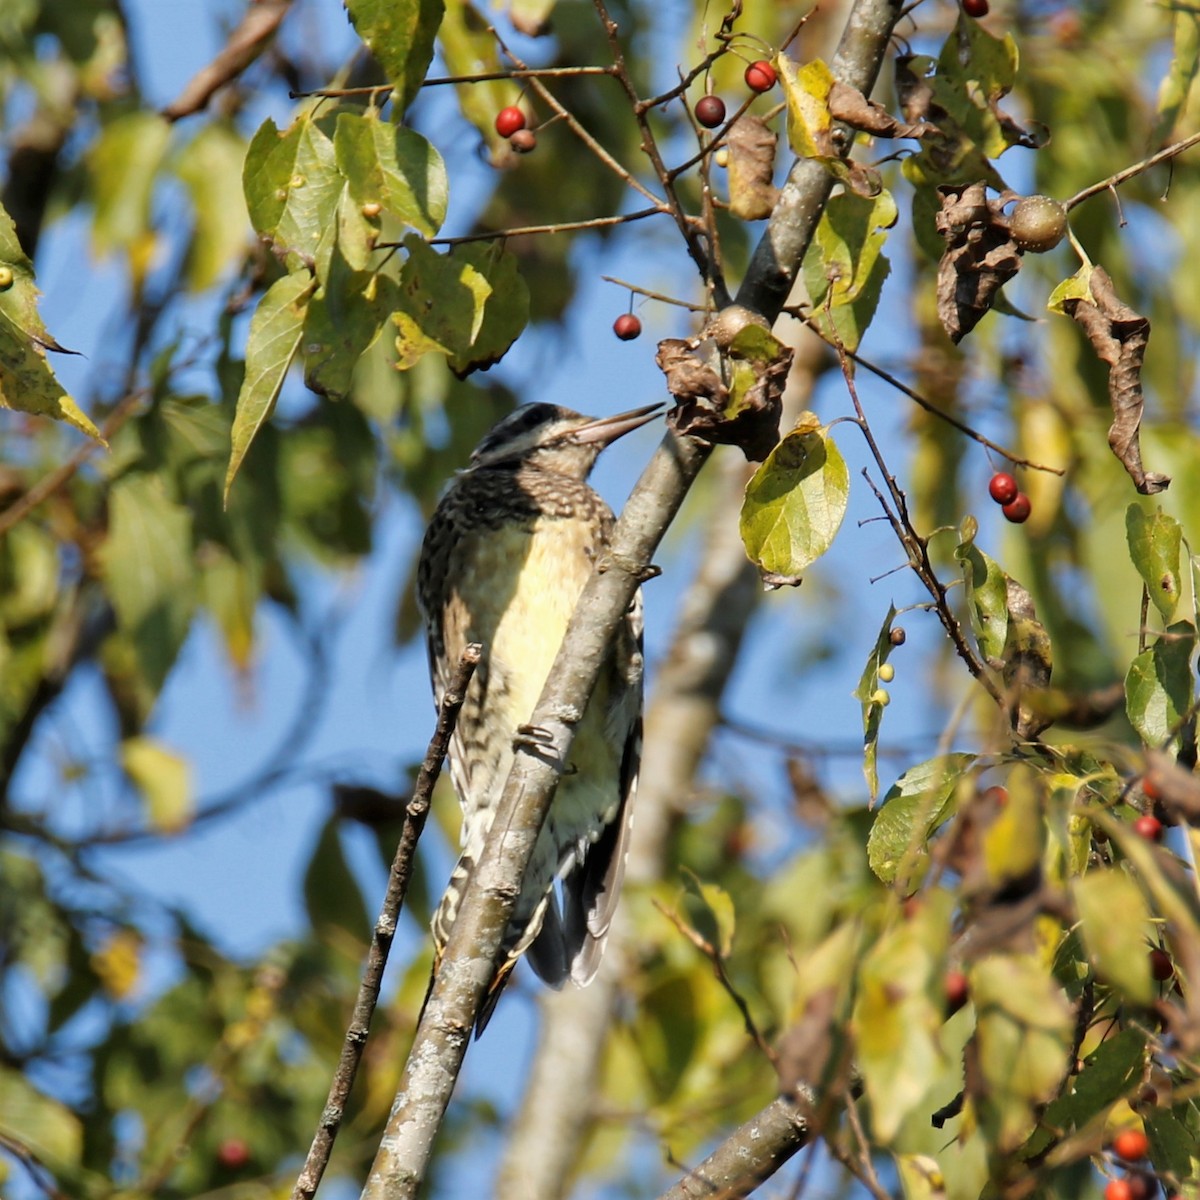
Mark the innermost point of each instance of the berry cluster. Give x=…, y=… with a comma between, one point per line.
x=1131, y=1146
x=1014, y=504
x=510, y=123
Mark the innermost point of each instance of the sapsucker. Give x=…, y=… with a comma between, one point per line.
x=503, y=563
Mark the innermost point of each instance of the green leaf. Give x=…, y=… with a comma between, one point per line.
x=163, y=778
x=344, y=318
x=844, y=267
x=1181, y=74
x=987, y=599
x=1109, y=1073
x=810, y=123
x=394, y=167
x=1115, y=924
x=331, y=893
x=1013, y=842
x=872, y=709
x=1023, y=1036
x=795, y=501
x=400, y=34
x=1159, y=684
x=44, y=1127
x=275, y=331
x=506, y=312
x=147, y=567
x=441, y=305
x=211, y=170
x=1077, y=287
x=28, y=384
x=1174, y=1146
x=1155, y=542
x=897, y=1023
x=18, y=298
x=292, y=186
x=719, y=908
x=230, y=590
x=915, y=805
x=123, y=165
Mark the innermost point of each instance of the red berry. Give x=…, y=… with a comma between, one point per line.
x=1118, y=1189
x=1149, y=827
x=627, y=327
x=975, y=8
x=1151, y=788
x=1143, y=1186
x=1018, y=510
x=760, y=76
x=1131, y=1144
x=233, y=1153
x=996, y=795
x=710, y=111
x=1162, y=968
x=509, y=120
x=1003, y=488
x=523, y=141
x=956, y=989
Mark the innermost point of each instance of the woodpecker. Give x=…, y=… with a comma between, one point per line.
x=504, y=559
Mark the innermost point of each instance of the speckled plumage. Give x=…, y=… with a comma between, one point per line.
x=503, y=562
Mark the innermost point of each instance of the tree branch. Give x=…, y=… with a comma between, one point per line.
x=385, y=928
x=748, y=1156
x=255, y=30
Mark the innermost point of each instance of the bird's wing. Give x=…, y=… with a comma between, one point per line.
x=592, y=894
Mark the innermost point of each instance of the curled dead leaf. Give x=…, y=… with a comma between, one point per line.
x=980, y=256
x=1119, y=336
x=751, y=144
x=848, y=104
x=728, y=382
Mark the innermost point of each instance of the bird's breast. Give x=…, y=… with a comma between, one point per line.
x=515, y=589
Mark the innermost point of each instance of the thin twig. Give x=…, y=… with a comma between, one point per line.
x=699, y=255
x=659, y=296
x=717, y=959
x=1113, y=181
x=385, y=928
x=860, y=1165
x=933, y=409
x=522, y=230
x=442, y=80
x=563, y=113
x=38, y=1171
x=914, y=545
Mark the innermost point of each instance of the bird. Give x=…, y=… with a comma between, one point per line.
x=504, y=559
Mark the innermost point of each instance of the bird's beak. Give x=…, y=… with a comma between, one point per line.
x=607, y=429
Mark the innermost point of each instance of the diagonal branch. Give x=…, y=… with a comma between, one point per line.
x=442, y=1036
x=251, y=37
x=748, y=1156
x=385, y=928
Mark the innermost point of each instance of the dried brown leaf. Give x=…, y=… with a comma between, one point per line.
x=740, y=405
x=848, y=104
x=1119, y=336
x=980, y=257
x=751, y=169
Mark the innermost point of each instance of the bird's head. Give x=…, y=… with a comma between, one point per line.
x=554, y=438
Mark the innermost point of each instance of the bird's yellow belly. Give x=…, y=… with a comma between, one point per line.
x=525, y=586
